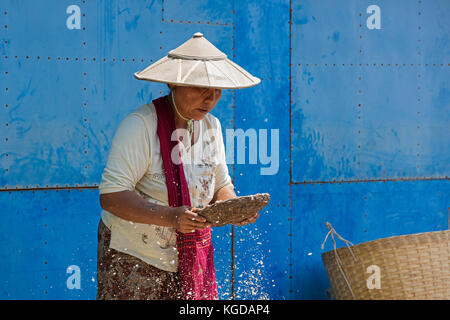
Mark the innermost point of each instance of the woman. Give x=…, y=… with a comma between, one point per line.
x=152, y=244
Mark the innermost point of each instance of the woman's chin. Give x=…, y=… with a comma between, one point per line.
x=199, y=115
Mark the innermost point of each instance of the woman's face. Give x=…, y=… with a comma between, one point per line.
x=195, y=102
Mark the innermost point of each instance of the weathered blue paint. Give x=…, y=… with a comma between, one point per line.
x=357, y=110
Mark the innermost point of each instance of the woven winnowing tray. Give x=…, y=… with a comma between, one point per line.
x=234, y=210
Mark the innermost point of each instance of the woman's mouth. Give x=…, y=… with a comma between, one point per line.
x=203, y=110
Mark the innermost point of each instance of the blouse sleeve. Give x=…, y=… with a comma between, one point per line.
x=129, y=156
x=222, y=176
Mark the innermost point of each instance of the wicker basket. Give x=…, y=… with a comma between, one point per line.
x=410, y=267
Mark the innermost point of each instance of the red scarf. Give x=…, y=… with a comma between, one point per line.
x=195, y=250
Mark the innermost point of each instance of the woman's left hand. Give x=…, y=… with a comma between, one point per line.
x=252, y=219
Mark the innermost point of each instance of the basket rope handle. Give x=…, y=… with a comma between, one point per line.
x=338, y=260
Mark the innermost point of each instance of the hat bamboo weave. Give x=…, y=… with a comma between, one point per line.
x=410, y=267
x=197, y=62
x=234, y=210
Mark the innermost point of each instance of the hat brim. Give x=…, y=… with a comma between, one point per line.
x=221, y=73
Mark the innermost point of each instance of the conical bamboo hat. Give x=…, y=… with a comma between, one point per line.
x=198, y=63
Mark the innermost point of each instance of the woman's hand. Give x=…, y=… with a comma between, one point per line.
x=252, y=219
x=186, y=219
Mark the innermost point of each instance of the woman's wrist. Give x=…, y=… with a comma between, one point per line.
x=172, y=216
x=160, y=215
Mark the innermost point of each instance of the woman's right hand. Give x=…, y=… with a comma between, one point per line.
x=186, y=219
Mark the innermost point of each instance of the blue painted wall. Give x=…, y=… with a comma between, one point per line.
x=362, y=114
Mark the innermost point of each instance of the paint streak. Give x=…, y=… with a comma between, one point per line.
x=335, y=36
x=132, y=25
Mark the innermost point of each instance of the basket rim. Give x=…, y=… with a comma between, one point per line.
x=390, y=238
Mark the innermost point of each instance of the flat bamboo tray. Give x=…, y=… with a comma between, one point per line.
x=234, y=210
